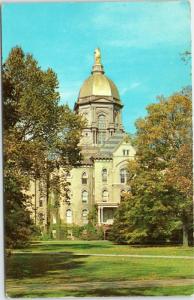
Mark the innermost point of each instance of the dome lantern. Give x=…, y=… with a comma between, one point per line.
x=98, y=85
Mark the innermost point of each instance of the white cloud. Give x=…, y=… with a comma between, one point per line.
x=131, y=86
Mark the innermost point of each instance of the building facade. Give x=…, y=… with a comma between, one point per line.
x=100, y=180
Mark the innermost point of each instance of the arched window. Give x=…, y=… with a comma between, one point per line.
x=123, y=175
x=54, y=219
x=101, y=122
x=41, y=202
x=68, y=196
x=41, y=218
x=68, y=175
x=101, y=137
x=104, y=175
x=84, y=178
x=101, y=129
x=105, y=196
x=122, y=198
x=85, y=197
x=69, y=216
x=85, y=216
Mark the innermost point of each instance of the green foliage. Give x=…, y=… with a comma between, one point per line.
x=77, y=231
x=91, y=232
x=39, y=136
x=160, y=202
x=93, y=216
x=87, y=232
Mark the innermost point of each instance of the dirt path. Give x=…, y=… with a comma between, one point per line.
x=138, y=255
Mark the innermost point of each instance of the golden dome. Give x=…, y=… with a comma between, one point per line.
x=98, y=84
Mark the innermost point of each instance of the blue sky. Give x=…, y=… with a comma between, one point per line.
x=140, y=44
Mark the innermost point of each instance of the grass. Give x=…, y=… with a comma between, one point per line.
x=105, y=247
x=42, y=272
x=162, y=291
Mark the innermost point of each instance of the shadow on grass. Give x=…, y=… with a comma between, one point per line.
x=33, y=265
x=57, y=246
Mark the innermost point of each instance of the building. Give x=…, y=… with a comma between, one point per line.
x=101, y=179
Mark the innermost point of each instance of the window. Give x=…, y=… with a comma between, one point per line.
x=40, y=202
x=105, y=196
x=84, y=178
x=40, y=218
x=122, y=198
x=101, y=122
x=42, y=188
x=54, y=219
x=125, y=152
x=101, y=137
x=69, y=216
x=68, y=196
x=123, y=175
x=67, y=175
x=104, y=175
x=101, y=129
x=85, y=216
x=85, y=197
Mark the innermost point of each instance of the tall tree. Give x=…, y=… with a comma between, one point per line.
x=39, y=136
x=161, y=177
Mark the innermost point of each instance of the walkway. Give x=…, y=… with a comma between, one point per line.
x=138, y=255
x=93, y=285
x=110, y=255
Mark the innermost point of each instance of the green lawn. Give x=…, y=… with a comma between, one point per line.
x=46, y=268
x=104, y=247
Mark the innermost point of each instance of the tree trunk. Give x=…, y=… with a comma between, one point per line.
x=48, y=204
x=185, y=236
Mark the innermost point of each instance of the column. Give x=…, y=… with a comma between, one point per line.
x=93, y=136
x=102, y=214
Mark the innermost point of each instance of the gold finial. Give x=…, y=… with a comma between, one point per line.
x=97, y=56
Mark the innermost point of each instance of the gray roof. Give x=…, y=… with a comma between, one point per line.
x=110, y=145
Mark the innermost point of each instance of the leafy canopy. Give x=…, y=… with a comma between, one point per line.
x=40, y=135
x=160, y=202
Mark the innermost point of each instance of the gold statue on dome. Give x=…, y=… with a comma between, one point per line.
x=97, y=56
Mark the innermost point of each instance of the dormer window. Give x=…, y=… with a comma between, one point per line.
x=125, y=152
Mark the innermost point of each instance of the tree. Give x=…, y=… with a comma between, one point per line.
x=161, y=177
x=40, y=136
